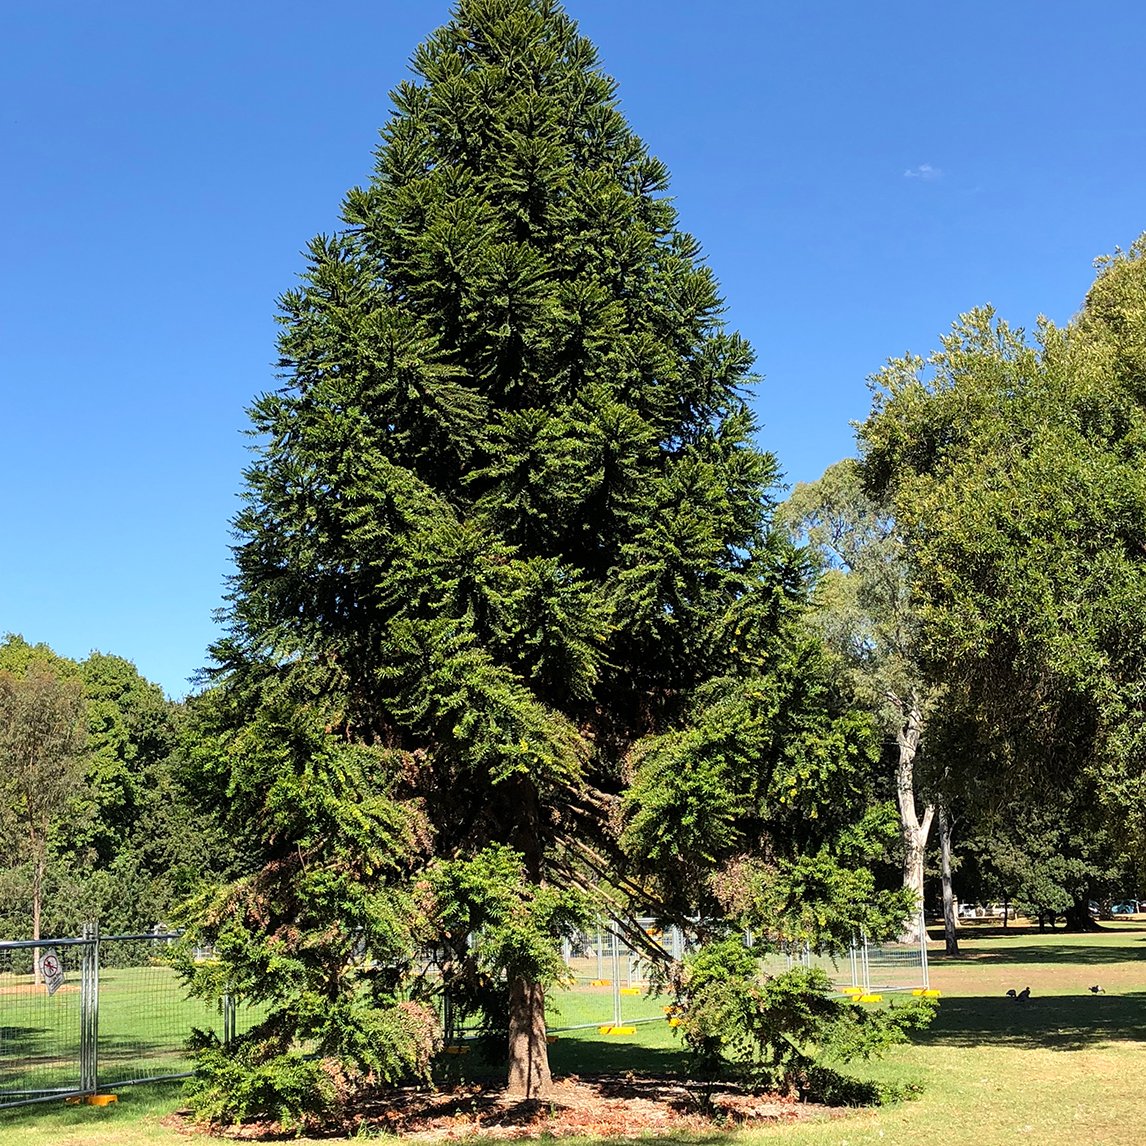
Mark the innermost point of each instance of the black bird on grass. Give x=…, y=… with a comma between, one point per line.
x=1012, y=994
x=1096, y=990
x=1024, y=995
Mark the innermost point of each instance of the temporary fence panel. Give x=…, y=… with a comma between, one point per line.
x=119, y=1015
x=895, y=966
x=145, y=1017
x=611, y=979
x=41, y=1034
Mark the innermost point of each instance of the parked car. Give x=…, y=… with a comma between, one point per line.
x=1124, y=907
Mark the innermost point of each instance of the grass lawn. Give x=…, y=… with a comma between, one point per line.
x=1064, y=1067
x=144, y=1021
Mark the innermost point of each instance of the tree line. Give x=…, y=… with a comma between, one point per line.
x=95, y=814
x=981, y=556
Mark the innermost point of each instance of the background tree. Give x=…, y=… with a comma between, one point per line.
x=864, y=612
x=124, y=843
x=1049, y=857
x=506, y=541
x=1016, y=473
x=42, y=739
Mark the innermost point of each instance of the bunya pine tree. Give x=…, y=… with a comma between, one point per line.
x=509, y=631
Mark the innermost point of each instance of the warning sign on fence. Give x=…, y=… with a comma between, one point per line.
x=52, y=970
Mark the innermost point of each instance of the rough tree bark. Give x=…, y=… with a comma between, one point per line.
x=529, y=1075
x=915, y=829
x=950, y=931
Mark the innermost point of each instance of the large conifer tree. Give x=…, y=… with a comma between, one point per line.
x=506, y=521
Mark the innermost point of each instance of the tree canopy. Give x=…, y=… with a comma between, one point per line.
x=93, y=805
x=1015, y=470
x=507, y=591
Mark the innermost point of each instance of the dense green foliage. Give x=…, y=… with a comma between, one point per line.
x=1015, y=471
x=115, y=831
x=1049, y=855
x=781, y=1032
x=507, y=597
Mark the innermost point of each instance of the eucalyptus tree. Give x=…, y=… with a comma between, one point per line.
x=42, y=742
x=864, y=612
x=1015, y=469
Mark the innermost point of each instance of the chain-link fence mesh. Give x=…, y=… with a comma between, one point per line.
x=610, y=978
x=120, y=1013
x=896, y=966
x=145, y=1017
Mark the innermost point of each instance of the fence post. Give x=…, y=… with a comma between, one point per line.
x=923, y=951
x=865, y=966
x=89, y=1010
x=616, y=973
x=229, y=1018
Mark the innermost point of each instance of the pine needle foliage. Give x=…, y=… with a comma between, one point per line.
x=504, y=557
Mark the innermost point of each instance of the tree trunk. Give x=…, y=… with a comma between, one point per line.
x=39, y=863
x=915, y=830
x=1077, y=917
x=950, y=924
x=529, y=1074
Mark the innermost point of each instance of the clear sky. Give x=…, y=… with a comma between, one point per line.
x=859, y=174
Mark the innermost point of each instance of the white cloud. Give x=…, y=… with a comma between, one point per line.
x=925, y=172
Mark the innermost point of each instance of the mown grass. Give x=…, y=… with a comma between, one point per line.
x=1064, y=1067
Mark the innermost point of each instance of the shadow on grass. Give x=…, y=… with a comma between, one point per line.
x=611, y=1055
x=1051, y=1022
x=981, y=931
x=39, y=1061
x=583, y=1055
x=1037, y=953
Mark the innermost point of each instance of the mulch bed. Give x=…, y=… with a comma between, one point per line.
x=599, y=1106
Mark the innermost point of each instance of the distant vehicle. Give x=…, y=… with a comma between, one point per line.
x=1124, y=907
x=983, y=911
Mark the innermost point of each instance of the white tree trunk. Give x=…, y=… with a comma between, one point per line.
x=950, y=923
x=915, y=829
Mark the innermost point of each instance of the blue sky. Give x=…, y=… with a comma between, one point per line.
x=859, y=174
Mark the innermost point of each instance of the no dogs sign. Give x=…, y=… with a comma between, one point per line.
x=52, y=970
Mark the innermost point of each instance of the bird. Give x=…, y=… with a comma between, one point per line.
x=1096, y=990
x=1012, y=994
x=1024, y=995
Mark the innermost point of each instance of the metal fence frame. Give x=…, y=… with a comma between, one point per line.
x=866, y=966
x=88, y=1064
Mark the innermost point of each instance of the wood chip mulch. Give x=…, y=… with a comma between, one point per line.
x=590, y=1106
